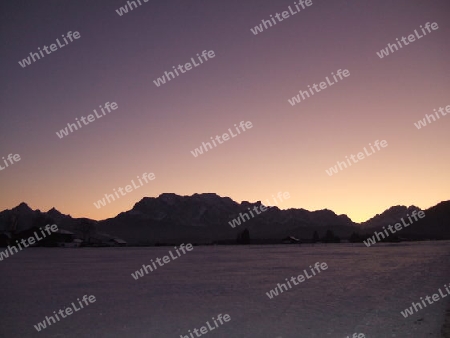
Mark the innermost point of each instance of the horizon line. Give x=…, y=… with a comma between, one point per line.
x=210, y=193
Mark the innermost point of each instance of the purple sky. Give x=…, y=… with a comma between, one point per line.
x=251, y=78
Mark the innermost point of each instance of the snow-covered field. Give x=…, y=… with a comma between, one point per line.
x=362, y=291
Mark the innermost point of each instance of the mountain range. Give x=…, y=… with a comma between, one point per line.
x=207, y=218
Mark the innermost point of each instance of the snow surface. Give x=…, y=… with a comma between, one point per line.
x=363, y=290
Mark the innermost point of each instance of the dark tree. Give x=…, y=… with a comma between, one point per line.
x=315, y=237
x=331, y=238
x=354, y=238
x=87, y=229
x=246, y=237
x=243, y=237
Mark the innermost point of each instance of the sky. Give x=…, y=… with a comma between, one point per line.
x=154, y=129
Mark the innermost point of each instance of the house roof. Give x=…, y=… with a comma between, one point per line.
x=64, y=232
x=119, y=241
x=291, y=238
